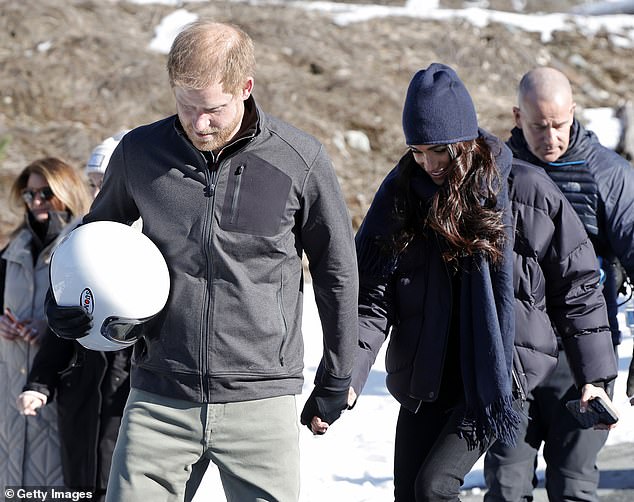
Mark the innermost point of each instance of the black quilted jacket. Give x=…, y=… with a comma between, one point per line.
x=556, y=284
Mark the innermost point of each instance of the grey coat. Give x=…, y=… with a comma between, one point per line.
x=29, y=446
x=233, y=229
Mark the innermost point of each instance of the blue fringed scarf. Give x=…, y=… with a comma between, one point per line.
x=486, y=350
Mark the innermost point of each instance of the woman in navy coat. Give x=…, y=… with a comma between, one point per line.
x=435, y=263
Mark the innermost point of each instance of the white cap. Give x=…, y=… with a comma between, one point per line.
x=100, y=156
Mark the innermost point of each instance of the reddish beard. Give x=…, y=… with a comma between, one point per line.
x=220, y=136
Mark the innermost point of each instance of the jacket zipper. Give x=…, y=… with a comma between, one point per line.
x=285, y=326
x=447, y=333
x=236, y=193
x=212, y=173
x=518, y=385
x=213, y=178
x=442, y=367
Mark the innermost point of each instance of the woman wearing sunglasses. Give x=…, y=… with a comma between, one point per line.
x=51, y=195
x=89, y=387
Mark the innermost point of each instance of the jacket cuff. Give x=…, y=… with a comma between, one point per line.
x=38, y=395
x=364, y=360
x=329, y=382
x=38, y=388
x=591, y=356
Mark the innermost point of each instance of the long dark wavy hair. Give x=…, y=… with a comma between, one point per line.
x=462, y=212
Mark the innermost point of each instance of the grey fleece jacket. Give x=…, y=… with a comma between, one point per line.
x=232, y=229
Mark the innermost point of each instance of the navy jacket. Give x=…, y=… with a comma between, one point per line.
x=410, y=298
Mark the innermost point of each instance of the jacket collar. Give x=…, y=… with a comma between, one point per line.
x=575, y=153
x=23, y=246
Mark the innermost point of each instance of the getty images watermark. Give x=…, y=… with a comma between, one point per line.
x=44, y=493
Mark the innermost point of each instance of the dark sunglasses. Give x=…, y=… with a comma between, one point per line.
x=44, y=193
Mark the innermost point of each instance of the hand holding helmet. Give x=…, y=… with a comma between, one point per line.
x=67, y=322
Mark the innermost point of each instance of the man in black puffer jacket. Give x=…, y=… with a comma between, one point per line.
x=598, y=183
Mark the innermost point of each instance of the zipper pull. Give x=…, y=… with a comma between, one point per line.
x=239, y=170
x=210, y=189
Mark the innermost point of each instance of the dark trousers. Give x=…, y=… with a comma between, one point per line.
x=569, y=451
x=431, y=459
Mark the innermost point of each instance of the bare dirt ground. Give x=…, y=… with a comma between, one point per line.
x=76, y=71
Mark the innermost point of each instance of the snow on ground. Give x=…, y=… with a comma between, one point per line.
x=620, y=27
x=353, y=460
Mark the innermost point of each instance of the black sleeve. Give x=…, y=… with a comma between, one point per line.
x=54, y=356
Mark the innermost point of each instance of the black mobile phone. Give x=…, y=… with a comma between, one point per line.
x=598, y=412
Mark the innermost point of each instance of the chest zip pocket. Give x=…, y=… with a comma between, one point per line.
x=236, y=193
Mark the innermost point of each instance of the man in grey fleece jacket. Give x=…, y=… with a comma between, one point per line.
x=232, y=197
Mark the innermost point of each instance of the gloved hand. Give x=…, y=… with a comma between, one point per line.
x=324, y=403
x=67, y=322
x=629, y=387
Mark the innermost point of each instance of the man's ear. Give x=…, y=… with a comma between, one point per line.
x=517, y=117
x=247, y=88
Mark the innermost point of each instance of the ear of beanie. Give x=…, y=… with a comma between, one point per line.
x=438, y=108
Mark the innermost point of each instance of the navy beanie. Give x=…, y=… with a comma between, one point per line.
x=438, y=108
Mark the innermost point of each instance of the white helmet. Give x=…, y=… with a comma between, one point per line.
x=116, y=274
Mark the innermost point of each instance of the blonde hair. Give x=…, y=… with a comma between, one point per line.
x=207, y=52
x=65, y=181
